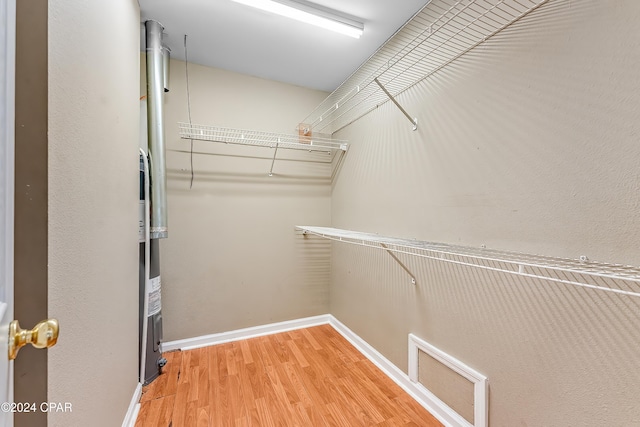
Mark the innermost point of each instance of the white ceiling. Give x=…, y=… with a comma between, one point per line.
x=235, y=37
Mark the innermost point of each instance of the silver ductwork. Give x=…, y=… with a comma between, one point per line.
x=155, y=126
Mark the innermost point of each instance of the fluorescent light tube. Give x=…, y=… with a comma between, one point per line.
x=308, y=14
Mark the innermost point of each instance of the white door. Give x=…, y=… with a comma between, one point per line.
x=7, y=81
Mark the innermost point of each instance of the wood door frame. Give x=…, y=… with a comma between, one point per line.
x=31, y=200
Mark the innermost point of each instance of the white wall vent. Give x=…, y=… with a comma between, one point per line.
x=456, y=390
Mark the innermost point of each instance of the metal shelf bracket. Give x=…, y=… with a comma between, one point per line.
x=413, y=120
x=396, y=259
x=274, y=157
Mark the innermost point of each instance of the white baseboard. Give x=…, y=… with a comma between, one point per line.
x=415, y=390
x=134, y=407
x=242, y=334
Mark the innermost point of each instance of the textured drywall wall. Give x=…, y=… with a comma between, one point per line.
x=93, y=199
x=528, y=143
x=232, y=259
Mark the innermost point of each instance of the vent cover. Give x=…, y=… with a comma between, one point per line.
x=457, y=390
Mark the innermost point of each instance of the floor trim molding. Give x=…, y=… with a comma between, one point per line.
x=246, y=333
x=134, y=407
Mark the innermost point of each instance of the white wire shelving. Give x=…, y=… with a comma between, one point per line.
x=613, y=278
x=304, y=140
x=437, y=35
x=315, y=143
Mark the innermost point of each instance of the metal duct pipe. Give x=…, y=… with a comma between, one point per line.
x=166, y=57
x=155, y=126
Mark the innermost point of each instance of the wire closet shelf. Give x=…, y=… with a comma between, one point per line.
x=260, y=138
x=582, y=272
x=437, y=35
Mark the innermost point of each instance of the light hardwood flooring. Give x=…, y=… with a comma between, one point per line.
x=307, y=377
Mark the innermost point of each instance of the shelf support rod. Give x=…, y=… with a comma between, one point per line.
x=396, y=259
x=274, y=158
x=413, y=120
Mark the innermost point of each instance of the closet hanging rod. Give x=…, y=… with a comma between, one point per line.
x=526, y=265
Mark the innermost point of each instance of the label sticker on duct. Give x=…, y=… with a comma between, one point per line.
x=155, y=298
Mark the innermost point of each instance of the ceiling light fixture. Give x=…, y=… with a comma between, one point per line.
x=314, y=15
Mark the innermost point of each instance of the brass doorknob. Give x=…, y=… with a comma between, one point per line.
x=43, y=335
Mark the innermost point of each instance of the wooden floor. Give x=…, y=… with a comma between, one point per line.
x=308, y=377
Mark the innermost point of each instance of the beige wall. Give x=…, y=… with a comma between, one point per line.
x=529, y=143
x=232, y=259
x=93, y=198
